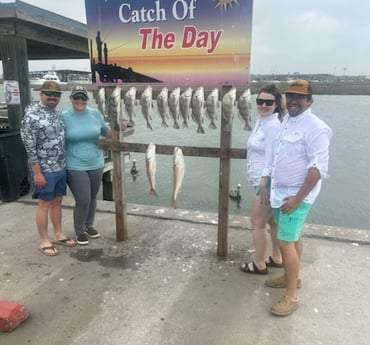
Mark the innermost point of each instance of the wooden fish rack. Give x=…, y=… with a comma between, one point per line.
x=224, y=153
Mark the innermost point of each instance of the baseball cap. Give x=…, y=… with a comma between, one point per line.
x=78, y=89
x=50, y=85
x=299, y=86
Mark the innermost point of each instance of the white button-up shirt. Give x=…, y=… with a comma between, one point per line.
x=260, y=145
x=302, y=143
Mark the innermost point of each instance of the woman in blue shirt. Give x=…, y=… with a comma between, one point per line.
x=85, y=161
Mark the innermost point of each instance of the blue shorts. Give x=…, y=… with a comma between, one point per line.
x=56, y=185
x=290, y=225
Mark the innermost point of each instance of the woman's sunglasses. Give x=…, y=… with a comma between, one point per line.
x=268, y=102
x=79, y=97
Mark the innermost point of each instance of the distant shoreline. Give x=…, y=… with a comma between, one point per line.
x=319, y=88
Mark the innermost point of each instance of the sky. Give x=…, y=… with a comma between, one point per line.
x=288, y=36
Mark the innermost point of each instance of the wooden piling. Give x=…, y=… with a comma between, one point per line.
x=223, y=188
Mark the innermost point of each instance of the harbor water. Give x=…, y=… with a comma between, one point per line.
x=344, y=200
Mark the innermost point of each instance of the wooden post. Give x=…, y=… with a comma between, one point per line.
x=14, y=57
x=119, y=184
x=223, y=191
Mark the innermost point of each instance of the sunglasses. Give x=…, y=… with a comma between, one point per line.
x=79, y=97
x=268, y=102
x=52, y=94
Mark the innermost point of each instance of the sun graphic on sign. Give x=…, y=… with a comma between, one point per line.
x=223, y=4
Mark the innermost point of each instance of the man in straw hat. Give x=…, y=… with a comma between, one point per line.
x=42, y=132
x=298, y=164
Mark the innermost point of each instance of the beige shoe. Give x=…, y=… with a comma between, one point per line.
x=279, y=282
x=285, y=306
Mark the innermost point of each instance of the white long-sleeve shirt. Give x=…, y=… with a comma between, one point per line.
x=302, y=143
x=260, y=145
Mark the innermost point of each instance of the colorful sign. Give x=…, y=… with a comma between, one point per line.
x=170, y=42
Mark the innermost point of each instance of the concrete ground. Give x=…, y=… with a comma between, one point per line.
x=166, y=285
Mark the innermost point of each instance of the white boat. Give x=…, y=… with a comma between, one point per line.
x=48, y=76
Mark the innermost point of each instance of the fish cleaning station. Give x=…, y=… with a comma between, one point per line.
x=27, y=32
x=177, y=105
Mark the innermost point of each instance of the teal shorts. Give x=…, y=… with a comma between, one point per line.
x=290, y=225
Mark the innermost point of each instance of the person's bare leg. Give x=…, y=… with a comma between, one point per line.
x=276, y=254
x=42, y=214
x=259, y=215
x=291, y=259
x=56, y=217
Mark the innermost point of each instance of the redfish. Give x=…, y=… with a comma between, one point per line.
x=130, y=101
x=178, y=174
x=197, y=107
x=162, y=105
x=244, y=107
x=174, y=105
x=151, y=167
x=146, y=102
x=228, y=108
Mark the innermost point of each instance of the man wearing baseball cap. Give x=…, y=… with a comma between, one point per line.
x=42, y=132
x=298, y=164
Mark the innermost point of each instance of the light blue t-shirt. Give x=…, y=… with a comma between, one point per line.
x=82, y=131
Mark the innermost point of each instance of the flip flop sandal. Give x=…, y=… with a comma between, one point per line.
x=245, y=268
x=43, y=250
x=64, y=242
x=271, y=263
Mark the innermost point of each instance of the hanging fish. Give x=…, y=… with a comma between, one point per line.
x=146, y=102
x=101, y=100
x=228, y=108
x=162, y=105
x=115, y=109
x=130, y=101
x=244, y=107
x=211, y=106
x=151, y=167
x=197, y=106
x=174, y=105
x=185, y=106
x=178, y=174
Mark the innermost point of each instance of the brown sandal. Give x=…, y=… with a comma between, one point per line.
x=271, y=263
x=245, y=268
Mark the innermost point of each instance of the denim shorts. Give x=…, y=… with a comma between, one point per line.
x=290, y=225
x=56, y=185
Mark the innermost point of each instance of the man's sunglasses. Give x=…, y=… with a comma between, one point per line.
x=79, y=97
x=52, y=94
x=268, y=102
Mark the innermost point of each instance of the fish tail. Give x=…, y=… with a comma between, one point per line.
x=185, y=125
x=153, y=192
x=212, y=125
x=247, y=127
x=164, y=124
x=200, y=129
x=176, y=125
x=149, y=125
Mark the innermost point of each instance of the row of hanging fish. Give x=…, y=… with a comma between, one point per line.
x=179, y=107
x=178, y=171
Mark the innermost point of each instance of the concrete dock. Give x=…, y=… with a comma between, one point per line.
x=166, y=285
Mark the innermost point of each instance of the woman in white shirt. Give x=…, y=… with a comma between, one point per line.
x=259, y=146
